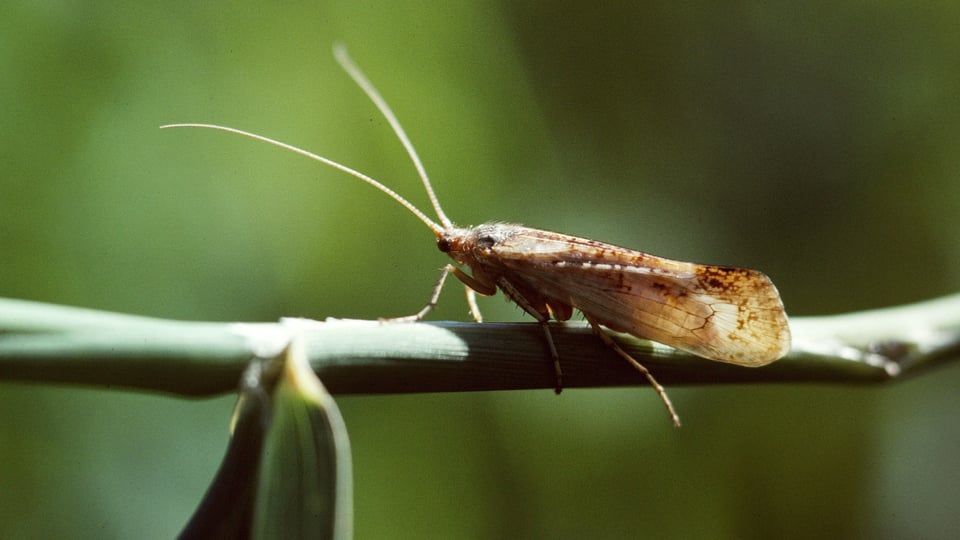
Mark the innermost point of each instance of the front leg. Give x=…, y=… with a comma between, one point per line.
x=432, y=303
x=473, y=286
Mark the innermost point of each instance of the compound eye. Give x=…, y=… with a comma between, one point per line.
x=486, y=241
x=443, y=245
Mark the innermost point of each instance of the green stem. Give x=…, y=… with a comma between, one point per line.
x=51, y=344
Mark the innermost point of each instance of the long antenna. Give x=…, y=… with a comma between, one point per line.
x=437, y=229
x=340, y=53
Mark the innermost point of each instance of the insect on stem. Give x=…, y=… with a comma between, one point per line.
x=720, y=313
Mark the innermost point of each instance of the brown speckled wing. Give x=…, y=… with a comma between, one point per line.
x=725, y=314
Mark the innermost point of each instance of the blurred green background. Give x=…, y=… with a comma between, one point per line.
x=820, y=144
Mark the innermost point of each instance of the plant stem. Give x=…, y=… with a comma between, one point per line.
x=50, y=344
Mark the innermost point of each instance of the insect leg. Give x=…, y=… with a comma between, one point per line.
x=434, y=297
x=472, y=302
x=515, y=295
x=553, y=354
x=472, y=285
x=653, y=382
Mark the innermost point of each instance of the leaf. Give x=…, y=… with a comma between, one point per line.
x=305, y=487
x=287, y=471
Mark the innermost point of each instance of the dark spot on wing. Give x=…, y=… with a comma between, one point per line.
x=721, y=278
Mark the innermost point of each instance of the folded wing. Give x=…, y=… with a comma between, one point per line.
x=725, y=314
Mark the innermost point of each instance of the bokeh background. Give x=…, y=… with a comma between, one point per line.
x=819, y=143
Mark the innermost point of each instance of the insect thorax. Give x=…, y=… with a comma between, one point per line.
x=462, y=243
